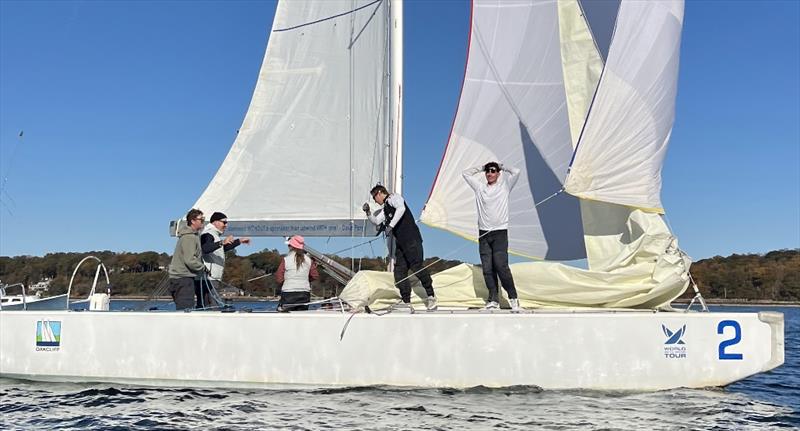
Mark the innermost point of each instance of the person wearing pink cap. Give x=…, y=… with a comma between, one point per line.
x=295, y=274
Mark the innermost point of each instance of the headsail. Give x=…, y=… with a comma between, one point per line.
x=625, y=138
x=316, y=136
x=513, y=109
x=533, y=93
x=539, y=66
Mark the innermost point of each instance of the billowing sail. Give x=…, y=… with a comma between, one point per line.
x=596, y=82
x=513, y=110
x=622, y=148
x=315, y=137
x=548, y=82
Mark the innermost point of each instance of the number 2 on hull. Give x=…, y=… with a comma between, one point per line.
x=737, y=337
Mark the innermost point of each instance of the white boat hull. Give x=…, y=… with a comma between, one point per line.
x=552, y=350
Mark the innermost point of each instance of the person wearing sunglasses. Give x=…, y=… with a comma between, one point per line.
x=214, y=247
x=186, y=263
x=491, y=197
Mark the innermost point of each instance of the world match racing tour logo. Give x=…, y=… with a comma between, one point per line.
x=674, y=347
x=48, y=336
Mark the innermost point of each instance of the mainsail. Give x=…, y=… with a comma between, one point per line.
x=580, y=96
x=317, y=134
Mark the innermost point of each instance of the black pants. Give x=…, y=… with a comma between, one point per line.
x=408, y=255
x=202, y=293
x=182, y=291
x=289, y=298
x=493, y=247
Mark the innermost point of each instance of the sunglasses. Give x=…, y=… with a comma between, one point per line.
x=491, y=171
x=224, y=221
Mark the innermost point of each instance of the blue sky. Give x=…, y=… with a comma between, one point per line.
x=128, y=108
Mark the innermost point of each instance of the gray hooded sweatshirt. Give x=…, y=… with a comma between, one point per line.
x=186, y=261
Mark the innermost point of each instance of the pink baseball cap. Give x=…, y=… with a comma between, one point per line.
x=297, y=242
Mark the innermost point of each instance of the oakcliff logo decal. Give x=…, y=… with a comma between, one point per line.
x=674, y=347
x=48, y=336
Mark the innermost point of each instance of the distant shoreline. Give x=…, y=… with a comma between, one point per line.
x=742, y=302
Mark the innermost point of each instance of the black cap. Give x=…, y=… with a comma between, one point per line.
x=218, y=216
x=486, y=167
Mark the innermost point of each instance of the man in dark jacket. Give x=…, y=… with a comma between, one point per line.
x=395, y=219
x=214, y=246
x=186, y=262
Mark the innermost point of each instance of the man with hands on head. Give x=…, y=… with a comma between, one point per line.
x=491, y=198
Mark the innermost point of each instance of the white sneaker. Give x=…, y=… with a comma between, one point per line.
x=491, y=305
x=514, y=304
x=431, y=303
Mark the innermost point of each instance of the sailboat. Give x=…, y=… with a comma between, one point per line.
x=587, y=121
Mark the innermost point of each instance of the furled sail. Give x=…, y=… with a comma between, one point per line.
x=513, y=110
x=315, y=137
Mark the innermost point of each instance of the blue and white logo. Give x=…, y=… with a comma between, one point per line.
x=48, y=335
x=674, y=337
x=674, y=346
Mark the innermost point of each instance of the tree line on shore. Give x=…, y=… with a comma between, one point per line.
x=139, y=274
x=773, y=276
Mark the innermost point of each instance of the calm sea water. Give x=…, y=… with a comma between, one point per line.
x=765, y=401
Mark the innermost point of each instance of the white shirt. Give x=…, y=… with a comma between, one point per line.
x=492, y=200
x=395, y=201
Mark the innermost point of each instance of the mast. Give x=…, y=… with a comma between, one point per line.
x=396, y=95
x=395, y=177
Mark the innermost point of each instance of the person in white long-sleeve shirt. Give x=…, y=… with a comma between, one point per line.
x=491, y=197
x=396, y=219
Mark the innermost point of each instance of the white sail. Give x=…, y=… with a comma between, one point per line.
x=622, y=148
x=315, y=137
x=513, y=110
x=634, y=259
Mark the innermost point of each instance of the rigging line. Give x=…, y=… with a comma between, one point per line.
x=7, y=171
x=355, y=246
x=347, y=323
x=452, y=252
x=353, y=40
x=327, y=18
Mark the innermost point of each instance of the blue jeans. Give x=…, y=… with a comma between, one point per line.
x=493, y=247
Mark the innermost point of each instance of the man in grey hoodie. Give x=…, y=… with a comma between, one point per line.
x=186, y=261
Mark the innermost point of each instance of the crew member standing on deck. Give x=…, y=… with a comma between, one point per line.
x=295, y=274
x=186, y=262
x=491, y=197
x=214, y=247
x=396, y=220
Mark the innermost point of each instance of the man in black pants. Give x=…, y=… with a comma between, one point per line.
x=491, y=197
x=396, y=219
